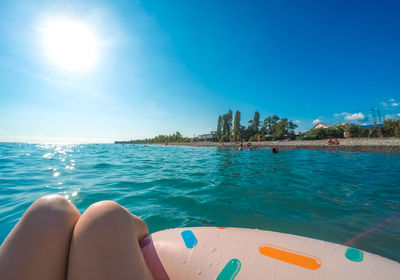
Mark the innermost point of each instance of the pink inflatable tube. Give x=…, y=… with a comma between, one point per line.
x=152, y=260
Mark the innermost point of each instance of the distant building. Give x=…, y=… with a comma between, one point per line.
x=321, y=125
x=341, y=124
x=298, y=134
x=212, y=137
x=325, y=125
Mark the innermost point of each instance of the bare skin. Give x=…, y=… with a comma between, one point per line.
x=52, y=241
x=105, y=245
x=38, y=246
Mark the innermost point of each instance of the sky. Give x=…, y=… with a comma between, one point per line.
x=98, y=71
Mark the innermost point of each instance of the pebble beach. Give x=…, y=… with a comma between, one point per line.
x=376, y=145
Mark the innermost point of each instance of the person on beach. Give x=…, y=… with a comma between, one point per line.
x=53, y=241
x=332, y=142
x=335, y=142
x=329, y=142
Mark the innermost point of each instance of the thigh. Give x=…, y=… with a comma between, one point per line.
x=105, y=245
x=38, y=246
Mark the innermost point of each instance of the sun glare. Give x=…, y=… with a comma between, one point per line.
x=71, y=45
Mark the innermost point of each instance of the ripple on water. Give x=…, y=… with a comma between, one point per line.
x=333, y=196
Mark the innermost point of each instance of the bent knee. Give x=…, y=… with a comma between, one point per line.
x=54, y=209
x=106, y=218
x=107, y=210
x=106, y=213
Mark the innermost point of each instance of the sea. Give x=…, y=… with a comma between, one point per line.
x=342, y=197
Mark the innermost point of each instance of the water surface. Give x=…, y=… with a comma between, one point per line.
x=333, y=196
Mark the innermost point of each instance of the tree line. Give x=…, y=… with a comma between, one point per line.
x=162, y=139
x=391, y=128
x=272, y=128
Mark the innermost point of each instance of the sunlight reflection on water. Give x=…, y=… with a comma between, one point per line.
x=332, y=196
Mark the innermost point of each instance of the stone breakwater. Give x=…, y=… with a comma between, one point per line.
x=376, y=145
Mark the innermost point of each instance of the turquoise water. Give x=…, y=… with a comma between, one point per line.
x=333, y=196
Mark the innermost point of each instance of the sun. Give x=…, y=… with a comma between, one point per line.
x=70, y=44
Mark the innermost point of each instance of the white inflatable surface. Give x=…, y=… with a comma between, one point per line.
x=236, y=253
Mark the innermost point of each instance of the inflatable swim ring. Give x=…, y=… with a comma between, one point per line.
x=237, y=253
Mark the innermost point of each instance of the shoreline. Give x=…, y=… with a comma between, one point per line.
x=386, y=145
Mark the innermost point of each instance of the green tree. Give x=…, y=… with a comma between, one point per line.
x=290, y=127
x=224, y=138
x=255, y=137
x=224, y=124
x=356, y=130
x=391, y=128
x=226, y=127
x=236, y=126
x=280, y=129
x=317, y=134
x=244, y=133
x=229, y=122
x=269, y=124
x=352, y=130
x=219, y=127
x=283, y=129
x=255, y=124
x=176, y=137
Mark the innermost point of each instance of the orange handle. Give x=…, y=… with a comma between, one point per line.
x=290, y=256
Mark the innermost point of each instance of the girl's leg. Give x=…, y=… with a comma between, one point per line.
x=105, y=245
x=38, y=246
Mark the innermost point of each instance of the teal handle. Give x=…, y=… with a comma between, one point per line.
x=230, y=270
x=354, y=255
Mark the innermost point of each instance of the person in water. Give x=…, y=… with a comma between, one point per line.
x=240, y=146
x=275, y=150
x=53, y=241
x=248, y=146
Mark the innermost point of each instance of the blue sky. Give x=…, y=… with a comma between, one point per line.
x=163, y=66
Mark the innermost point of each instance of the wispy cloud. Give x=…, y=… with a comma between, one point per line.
x=350, y=117
x=341, y=114
x=390, y=103
x=316, y=121
x=297, y=121
x=355, y=117
x=392, y=116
